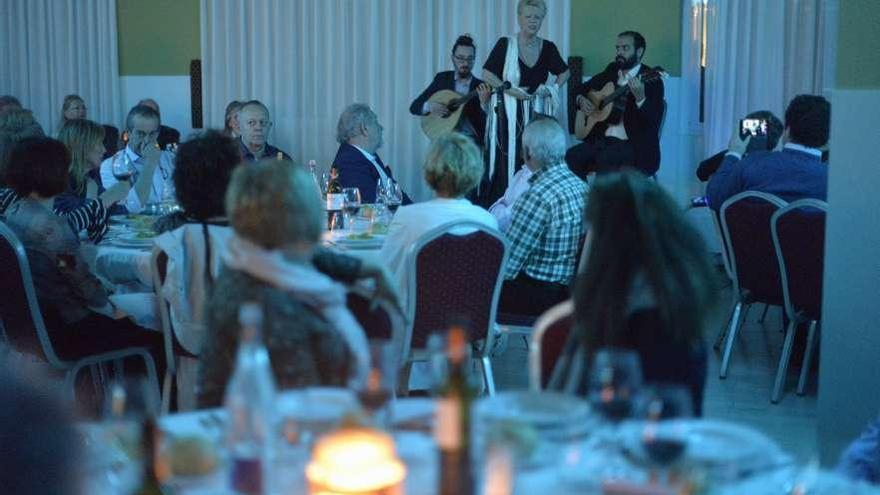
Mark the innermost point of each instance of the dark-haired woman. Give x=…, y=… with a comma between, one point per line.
x=647, y=286
x=72, y=300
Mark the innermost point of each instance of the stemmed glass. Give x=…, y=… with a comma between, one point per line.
x=351, y=204
x=664, y=441
x=378, y=390
x=615, y=380
x=381, y=191
x=393, y=196
x=122, y=167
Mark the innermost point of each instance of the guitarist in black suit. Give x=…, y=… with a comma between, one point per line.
x=462, y=81
x=633, y=137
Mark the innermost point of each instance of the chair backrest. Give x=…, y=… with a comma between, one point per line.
x=160, y=270
x=799, y=237
x=725, y=256
x=745, y=221
x=548, y=341
x=454, y=275
x=383, y=322
x=22, y=320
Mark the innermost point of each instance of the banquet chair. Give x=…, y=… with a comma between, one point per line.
x=455, y=275
x=25, y=326
x=548, y=341
x=381, y=323
x=745, y=223
x=173, y=349
x=799, y=239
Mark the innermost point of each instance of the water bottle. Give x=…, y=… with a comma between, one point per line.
x=250, y=402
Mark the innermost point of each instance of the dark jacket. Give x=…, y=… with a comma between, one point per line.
x=472, y=110
x=642, y=124
x=168, y=135
x=355, y=170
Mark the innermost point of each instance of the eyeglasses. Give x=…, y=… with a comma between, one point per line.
x=252, y=124
x=143, y=135
x=469, y=60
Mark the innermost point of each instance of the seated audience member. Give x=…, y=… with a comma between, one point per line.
x=9, y=102
x=86, y=197
x=39, y=452
x=311, y=336
x=16, y=125
x=167, y=135
x=647, y=286
x=230, y=126
x=73, y=108
x=708, y=166
x=453, y=168
x=254, y=125
x=73, y=302
x=546, y=225
x=861, y=460
x=151, y=182
x=794, y=173
x=360, y=136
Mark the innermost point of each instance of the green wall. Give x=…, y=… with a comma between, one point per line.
x=595, y=24
x=858, y=44
x=157, y=37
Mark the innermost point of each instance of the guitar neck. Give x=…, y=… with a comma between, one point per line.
x=645, y=78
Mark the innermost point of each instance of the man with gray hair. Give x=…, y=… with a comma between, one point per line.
x=360, y=135
x=167, y=135
x=546, y=225
x=149, y=168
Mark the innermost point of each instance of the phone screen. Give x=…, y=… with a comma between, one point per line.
x=753, y=127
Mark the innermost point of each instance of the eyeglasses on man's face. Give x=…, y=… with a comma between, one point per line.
x=463, y=60
x=254, y=124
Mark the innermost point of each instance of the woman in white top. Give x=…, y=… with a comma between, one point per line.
x=453, y=168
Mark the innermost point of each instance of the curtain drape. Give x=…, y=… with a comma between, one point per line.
x=309, y=59
x=760, y=55
x=52, y=48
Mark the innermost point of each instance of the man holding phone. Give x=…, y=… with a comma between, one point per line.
x=794, y=173
x=763, y=119
x=152, y=167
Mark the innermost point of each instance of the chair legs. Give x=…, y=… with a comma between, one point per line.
x=488, y=376
x=736, y=319
x=808, y=357
x=782, y=369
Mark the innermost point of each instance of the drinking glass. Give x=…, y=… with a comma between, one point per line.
x=122, y=167
x=615, y=380
x=393, y=196
x=378, y=390
x=381, y=191
x=325, y=183
x=351, y=204
x=664, y=441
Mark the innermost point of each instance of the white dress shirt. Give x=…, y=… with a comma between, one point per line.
x=161, y=178
x=369, y=156
x=502, y=208
x=412, y=221
x=618, y=130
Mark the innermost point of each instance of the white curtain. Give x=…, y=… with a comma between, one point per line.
x=308, y=59
x=52, y=48
x=760, y=55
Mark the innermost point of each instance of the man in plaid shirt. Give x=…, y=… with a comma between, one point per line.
x=547, y=225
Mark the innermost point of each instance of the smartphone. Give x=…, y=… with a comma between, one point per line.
x=757, y=128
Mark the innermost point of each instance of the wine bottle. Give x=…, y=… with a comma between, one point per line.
x=156, y=470
x=335, y=199
x=452, y=428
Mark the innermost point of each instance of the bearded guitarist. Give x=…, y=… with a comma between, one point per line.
x=630, y=136
x=472, y=120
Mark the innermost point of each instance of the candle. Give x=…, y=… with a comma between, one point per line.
x=355, y=461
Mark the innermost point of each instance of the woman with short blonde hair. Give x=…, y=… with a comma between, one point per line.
x=453, y=166
x=311, y=336
x=538, y=4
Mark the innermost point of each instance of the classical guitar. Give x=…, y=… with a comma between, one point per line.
x=434, y=125
x=609, y=99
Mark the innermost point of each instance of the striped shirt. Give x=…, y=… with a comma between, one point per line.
x=90, y=216
x=547, y=225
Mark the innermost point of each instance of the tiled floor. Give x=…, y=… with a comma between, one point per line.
x=744, y=396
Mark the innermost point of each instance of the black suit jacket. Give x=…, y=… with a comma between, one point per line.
x=168, y=135
x=642, y=124
x=355, y=170
x=472, y=110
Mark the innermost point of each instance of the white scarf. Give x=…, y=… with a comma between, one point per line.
x=313, y=288
x=546, y=105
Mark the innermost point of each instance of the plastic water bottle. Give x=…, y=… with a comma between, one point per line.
x=250, y=402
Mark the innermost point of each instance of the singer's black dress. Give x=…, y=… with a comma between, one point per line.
x=549, y=62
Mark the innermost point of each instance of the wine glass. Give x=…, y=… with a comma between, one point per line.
x=393, y=196
x=378, y=390
x=351, y=205
x=615, y=380
x=122, y=167
x=325, y=183
x=664, y=440
x=381, y=191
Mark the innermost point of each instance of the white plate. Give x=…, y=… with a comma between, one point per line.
x=131, y=239
x=538, y=409
x=811, y=481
